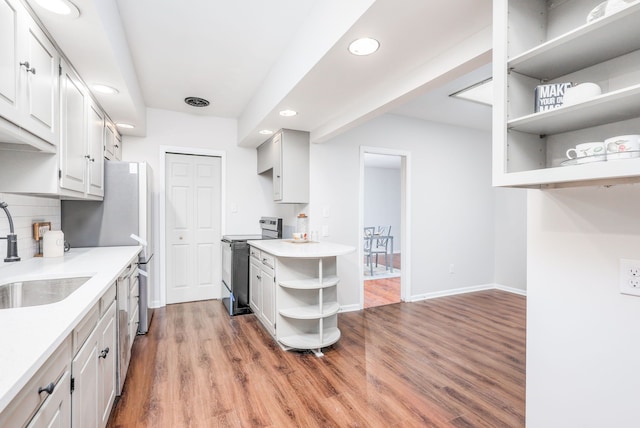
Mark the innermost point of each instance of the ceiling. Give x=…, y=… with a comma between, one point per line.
x=253, y=58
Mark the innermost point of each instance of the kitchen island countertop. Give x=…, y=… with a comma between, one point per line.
x=30, y=335
x=301, y=249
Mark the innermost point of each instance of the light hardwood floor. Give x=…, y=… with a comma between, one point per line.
x=456, y=361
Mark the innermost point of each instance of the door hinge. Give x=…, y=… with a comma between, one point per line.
x=73, y=384
x=59, y=70
x=59, y=173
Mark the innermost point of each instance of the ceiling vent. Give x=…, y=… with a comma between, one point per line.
x=196, y=102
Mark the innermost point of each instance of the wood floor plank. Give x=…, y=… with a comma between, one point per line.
x=456, y=361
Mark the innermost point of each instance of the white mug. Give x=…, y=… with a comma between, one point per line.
x=588, y=152
x=623, y=147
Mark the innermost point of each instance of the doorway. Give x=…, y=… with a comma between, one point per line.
x=192, y=226
x=383, y=218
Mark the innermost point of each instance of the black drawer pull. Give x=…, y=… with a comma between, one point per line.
x=103, y=353
x=48, y=389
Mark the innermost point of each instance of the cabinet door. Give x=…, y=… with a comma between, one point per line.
x=268, y=300
x=118, y=147
x=277, y=167
x=255, y=294
x=73, y=152
x=95, y=141
x=56, y=410
x=107, y=357
x=41, y=85
x=133, y=309
x=9, y=59
x=84, y=398
x=109, y=142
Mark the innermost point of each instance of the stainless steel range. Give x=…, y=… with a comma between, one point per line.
x=235, y=265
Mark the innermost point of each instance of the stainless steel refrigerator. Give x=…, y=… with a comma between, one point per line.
x=125, y=211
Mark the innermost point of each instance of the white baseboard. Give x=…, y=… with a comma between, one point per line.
x=464, y=290
x=510, y=289
x=349, y=308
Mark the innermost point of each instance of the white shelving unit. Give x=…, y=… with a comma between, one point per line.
x=307, y=303
x=538, y=42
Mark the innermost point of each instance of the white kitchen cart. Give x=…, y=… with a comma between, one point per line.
x=307, y=303
x=304, y=291
x=543, y=41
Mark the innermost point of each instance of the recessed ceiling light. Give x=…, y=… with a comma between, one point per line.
x=288, y=113
x=196, y=102
x=481, y=92
x=125, y=125
x=266, y=132
x=364, y=46
x=104, y=89
x=60, y=7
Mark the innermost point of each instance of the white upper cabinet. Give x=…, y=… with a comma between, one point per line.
x=539, y=42
x=95, y=149
x=28, y=82
x=112, y=142
x=73, y=115
x=286, y=155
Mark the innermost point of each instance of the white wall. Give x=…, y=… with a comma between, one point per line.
x=26, y=210
x=382, y=201
x=583, y=344
x=510, y=251
x=452, y=201
x=248, y=194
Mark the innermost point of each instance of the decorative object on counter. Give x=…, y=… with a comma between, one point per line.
x=550, y=96
x=588, y=152
x=579, y=93
x=39, y=229
x=623, y=147
x=54, y=244
x=607, y=8
x=302, y=227
x=12, y=238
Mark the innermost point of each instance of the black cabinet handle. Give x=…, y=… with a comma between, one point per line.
x=26, y=66
x=104, y=352
x=48, y=389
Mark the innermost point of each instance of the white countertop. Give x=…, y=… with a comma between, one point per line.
x=302, y=249
x=28, y=336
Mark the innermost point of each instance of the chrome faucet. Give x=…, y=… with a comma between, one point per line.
x=12, y=238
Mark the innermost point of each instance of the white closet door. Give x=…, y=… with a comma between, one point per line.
x=193, y=231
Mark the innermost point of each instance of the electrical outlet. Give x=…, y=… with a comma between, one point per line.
x=630, y=277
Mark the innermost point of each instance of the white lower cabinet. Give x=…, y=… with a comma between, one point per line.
x=94, y=370
x=84, y=394
x=44, y=401
x=107, y=365
x=76, y=386
x=56, y=410
x=262, y=289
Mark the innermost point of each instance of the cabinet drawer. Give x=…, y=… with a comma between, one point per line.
x=268, y=260
x=255, y=253
x=84, y=328
x=26, y=403
x=107, y=299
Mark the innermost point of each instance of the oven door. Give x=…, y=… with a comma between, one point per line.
x=227, y=275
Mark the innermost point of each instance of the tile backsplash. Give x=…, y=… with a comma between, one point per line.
x=26, y=210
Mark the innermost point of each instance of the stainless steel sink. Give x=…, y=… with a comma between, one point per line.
x=38, y=292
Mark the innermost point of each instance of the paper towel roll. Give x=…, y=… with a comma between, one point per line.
x=53, y=244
